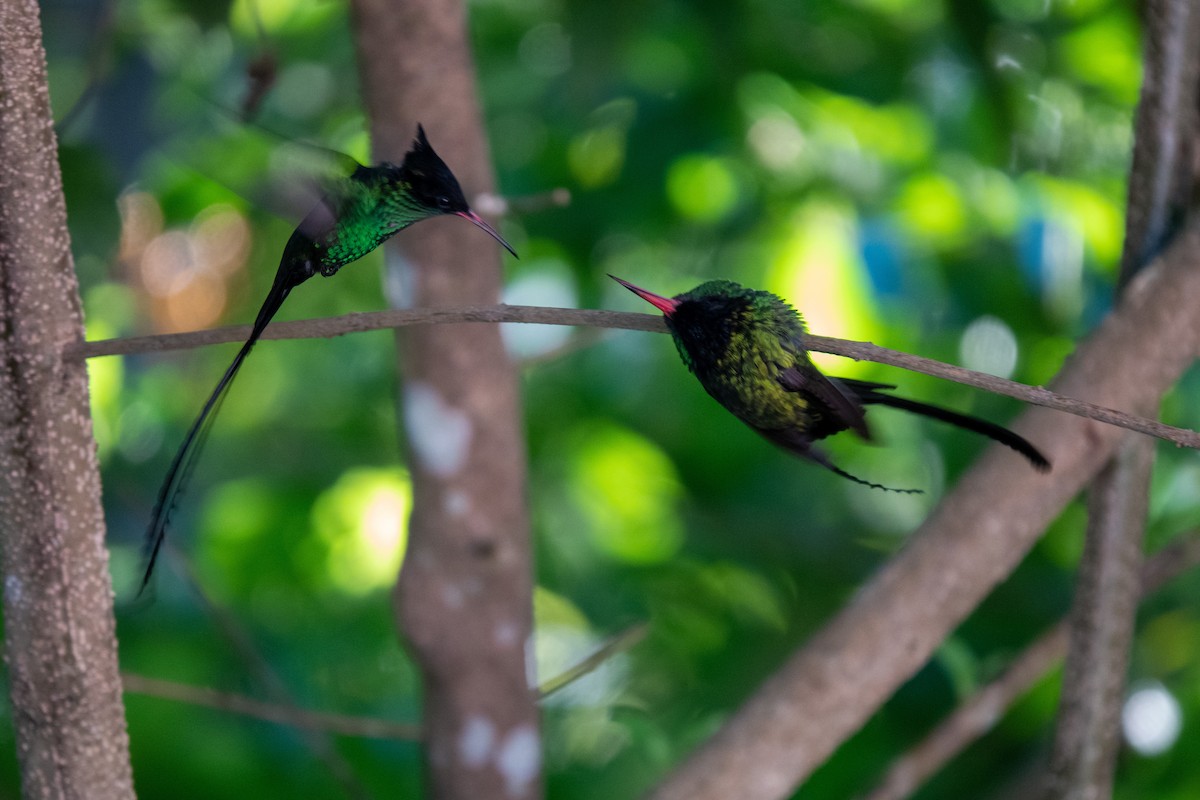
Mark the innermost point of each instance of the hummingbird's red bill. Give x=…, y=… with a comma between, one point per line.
x=479, y=221
x=663, y=304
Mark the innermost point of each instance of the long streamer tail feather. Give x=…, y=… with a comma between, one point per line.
x=974, y=424
x=839, y=471
x=184, y=463
x=800, y=443
x=819, y=457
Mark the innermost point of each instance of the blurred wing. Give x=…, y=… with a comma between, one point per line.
x=301, y=178
x=283, y=176
x=321, y=218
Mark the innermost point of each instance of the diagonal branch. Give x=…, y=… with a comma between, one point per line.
x=1162, y=178
x=260, y=670
x=979, y=713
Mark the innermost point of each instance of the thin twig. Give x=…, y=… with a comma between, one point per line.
x=860, y=351
x=623, y=641
x=341, y=724
x=260, y=669
x=345, y=724
x=979, y=713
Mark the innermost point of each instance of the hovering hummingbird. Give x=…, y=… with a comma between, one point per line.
x=746, y=348
x=354, y=216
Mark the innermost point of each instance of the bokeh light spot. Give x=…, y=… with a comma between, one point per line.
x=988, y=345
x=657, y=64
x=141, y=221
x=596, y=156
x=363, y=521
x=629, y=492
x=703, y=189
x=542, y=283
x=818, y=268
x=545, y=50
x=777, y=141
x=1151, y=719
x=1107, y=54
x=931, y=207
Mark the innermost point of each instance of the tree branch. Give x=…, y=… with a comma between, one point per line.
x=979, y=713
x=859, y=351
x=328, y=327
x=1161, y=182
x=346, y=724
x=623, y=641
x=60, y=644
x=341, y=724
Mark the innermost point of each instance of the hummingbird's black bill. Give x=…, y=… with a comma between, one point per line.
x=663, y=304
x=479, y=221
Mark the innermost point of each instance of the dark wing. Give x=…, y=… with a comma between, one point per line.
x=861, y=390
x=321, y=219
x=833, y=408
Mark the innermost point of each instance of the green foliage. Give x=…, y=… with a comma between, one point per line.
x=898, y=170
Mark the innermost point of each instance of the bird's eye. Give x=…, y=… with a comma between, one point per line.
x=443, y=202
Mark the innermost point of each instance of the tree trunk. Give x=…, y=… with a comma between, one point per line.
x=464, y=594
x=60, y=642
x=1162, y=184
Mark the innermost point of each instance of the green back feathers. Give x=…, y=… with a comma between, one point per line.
x=369, y=208
x=360, y=212
x=737, y=341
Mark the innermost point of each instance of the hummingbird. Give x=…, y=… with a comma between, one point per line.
x=746, y=347
x=354, y=216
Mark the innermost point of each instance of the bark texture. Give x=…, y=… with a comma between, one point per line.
x=59, y=641
x=464, y=594
x=980, y=712
x=1162, y=184
x=1087, y=731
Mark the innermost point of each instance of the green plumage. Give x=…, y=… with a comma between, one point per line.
x=738, y=366
x=355, y=215
x=746, y=347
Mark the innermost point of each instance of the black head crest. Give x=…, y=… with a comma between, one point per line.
x=432, y=185
x=430, y=181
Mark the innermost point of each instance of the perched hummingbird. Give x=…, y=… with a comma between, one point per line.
x=746, y=347
x=355, y=215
